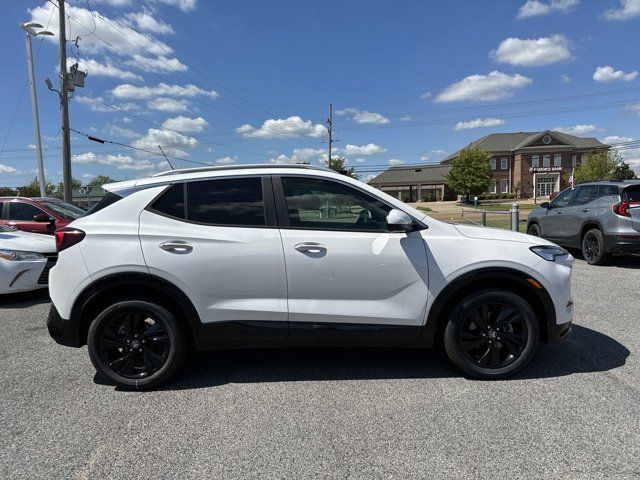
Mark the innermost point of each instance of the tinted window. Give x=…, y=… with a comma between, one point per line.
x=233, y=201
x=108, y=199
x=23, y=211
x=328, y=205
x=65, y=210
x=607, y=190
x=171, y=202
x=585, y=194
x=632, y=194
x=563, y=199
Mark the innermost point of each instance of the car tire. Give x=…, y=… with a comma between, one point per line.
x=491, y=334
x=534, y=230
x=136, y=344
x=593, y=248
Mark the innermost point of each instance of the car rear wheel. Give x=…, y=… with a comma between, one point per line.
x=534, y=230
x=593, y=249
x=137, y=344
x=491, y=334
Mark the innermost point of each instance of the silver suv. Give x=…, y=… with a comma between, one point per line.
x=601, y=218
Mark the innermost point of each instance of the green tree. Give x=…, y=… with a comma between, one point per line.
x=469, y=173
x=623, y=172
x=32, y=189
x=101, y=180
x=75, y=183
x=339, y=164
x=8, y=192
x=602, y=165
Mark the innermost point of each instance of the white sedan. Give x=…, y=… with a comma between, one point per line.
x=25, y=260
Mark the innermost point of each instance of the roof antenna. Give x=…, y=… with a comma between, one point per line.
x=165, y=156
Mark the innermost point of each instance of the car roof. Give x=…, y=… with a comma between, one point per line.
x=620, y=183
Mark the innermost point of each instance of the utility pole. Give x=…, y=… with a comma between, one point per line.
x=29, y=29
x=64, y=106
x=329, y=123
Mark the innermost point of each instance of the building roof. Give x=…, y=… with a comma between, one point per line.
x=412, y=174
x=88, y=191
x=508, y=142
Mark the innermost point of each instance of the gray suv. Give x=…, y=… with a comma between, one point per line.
x=600, y=218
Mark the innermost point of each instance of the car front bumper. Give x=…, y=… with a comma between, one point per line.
x=21, y=276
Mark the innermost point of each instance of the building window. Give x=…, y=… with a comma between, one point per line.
x=492, y=164
x=504, y=163
x=535, y=161
x=557, y=160
x=494, y=186
x=546, y=160
x=574, y=160
x=504, y=186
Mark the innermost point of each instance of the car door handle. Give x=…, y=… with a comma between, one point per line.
x=310, y=247
x=176, y=246
x=559, y=212
x=585, y=210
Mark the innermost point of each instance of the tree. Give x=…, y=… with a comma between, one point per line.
x=101, y=180
x=32, y=189
x=75, y=183
x=469, y=173
x=339, y=164
x=623, y=172
x=602, y=165
x=8, y=192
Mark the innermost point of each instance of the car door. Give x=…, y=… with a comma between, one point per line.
x=582, y=207
x=552, y=221
x=347, y=275
x=217, y=240
x=21, y=215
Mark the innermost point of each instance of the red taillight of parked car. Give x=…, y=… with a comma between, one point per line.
x=67, y=237
x=622, y=208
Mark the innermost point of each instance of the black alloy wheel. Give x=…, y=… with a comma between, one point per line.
x=136, y=344
x=593, y=249
x=491, y=334
x=534, y=230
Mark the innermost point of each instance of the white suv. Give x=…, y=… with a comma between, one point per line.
x=264, y=255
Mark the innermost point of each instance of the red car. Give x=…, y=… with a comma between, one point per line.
x=37, y=215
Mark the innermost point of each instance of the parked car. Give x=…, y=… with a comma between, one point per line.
x=294, y=256
x=553, y=195
x=37, y=215
x=25, y=260
x=600, y=218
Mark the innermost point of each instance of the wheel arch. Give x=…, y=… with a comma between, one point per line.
x=499, y=277
x=588, y=225
x=96, y=296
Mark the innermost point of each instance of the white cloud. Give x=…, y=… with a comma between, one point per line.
x=107, y=69
x=31, y=146
x=479, y=123
x=580, y=129
x=533, y=52
x=168, y=105
x=608, y=74
x=369, y=149
x=633, y=107
x=7, y=169
x=533, y=8
x=301, y=155
x=630, y=155
x=173, y=143
x=483, y=88
x=565, y=78
x=160, y=64
x=363, y=116
x=613, y=139
x=121, y=162
x=426, y=95
x=162, y=89
x=227, y=160
x=360, y=160
x=88, y=175
x=122, y=132
x=185, y=124
x=424, y=158
x=283, y=128
x=628, y=9
x=405, y=118
x=184, y=5
x=395, y=161
x=369, y=177
x=145, y=21
x=95, y=106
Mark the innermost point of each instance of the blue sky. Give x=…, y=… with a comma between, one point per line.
x=249, y=81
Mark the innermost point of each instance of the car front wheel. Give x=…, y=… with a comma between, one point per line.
x=491, y=334
x=137, y=344
x=534, y=230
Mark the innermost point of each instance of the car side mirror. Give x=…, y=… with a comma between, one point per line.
x=43, y=218
x=546, y=205
x=399, y=221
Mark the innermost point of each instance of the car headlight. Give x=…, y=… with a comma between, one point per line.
x=549, y=252
x=19, y=256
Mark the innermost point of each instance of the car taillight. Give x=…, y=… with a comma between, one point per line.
x=621, y=208
x=67, y=237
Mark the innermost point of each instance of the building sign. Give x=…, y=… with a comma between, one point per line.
x=545, y=169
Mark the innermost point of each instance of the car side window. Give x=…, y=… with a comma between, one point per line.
x=171, y=202
x=608, y=191
x=230, y=201
x=328, y=205
x=23, y=211
x=585, y=194
x=563, y=199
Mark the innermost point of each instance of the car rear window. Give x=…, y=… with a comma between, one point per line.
x=632, y=194
x=65, y=210
x=171, y=202
x=608, y=190
x=109, y=199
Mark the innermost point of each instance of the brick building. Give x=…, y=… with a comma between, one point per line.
x=523, y=159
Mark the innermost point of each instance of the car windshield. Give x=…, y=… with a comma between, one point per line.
x=65, y=210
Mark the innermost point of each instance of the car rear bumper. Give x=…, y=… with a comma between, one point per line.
x=622, y=243
x=65, y=332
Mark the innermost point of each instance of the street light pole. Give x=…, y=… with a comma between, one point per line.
x=28, y=29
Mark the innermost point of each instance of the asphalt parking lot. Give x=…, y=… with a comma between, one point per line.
x=573, y=413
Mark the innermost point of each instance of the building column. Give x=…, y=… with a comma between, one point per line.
x=419, y=192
